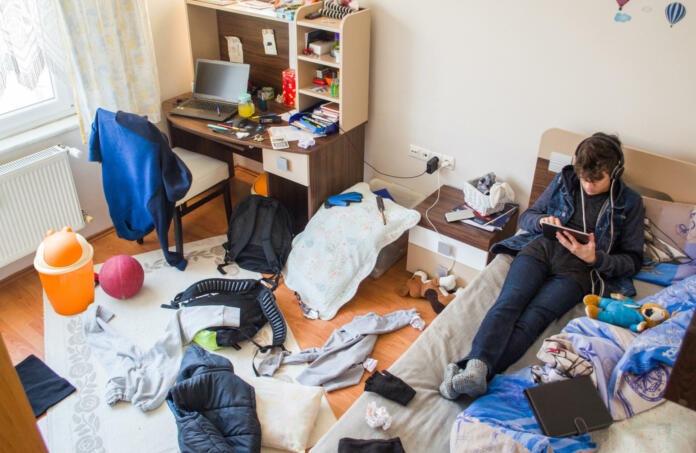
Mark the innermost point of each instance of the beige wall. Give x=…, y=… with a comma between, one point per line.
x=482, y=80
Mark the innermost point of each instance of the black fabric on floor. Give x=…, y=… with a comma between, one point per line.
x=348, y=445
x=390, y=387
x=43, y=386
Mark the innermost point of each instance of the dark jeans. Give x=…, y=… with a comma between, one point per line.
x=530, y=300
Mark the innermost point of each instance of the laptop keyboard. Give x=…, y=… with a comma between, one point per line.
x=208, y=105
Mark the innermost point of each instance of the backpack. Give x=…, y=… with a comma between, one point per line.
x=256, y=304
x=259, y=236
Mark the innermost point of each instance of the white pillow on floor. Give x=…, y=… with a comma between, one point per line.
x=287, y=413
x=339, y=248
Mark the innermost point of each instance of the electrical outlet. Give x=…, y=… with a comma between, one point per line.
x=446, y=161
x=419, y=153
x=269, y=43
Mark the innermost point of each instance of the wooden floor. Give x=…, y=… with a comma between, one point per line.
x=21, y=312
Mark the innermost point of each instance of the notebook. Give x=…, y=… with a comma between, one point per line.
x=568, y=408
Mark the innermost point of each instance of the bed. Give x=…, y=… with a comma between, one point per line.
x=424, y=425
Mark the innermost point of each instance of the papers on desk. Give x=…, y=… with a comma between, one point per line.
x=286, y=116
x=292, y=134
x=256, y=4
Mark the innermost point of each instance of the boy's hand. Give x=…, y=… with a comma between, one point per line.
x=585, y=252
x=550, y=219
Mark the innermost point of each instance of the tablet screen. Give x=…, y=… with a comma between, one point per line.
x=549, y=230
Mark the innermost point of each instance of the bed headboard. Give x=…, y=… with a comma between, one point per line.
x=651, y=171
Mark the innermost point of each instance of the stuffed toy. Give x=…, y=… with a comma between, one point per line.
x=436, y=291
x=622, y=311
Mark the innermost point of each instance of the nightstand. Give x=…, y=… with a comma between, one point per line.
x=467, y=245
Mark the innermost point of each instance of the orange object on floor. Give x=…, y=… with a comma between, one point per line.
x=261, y=185
x=64, y=263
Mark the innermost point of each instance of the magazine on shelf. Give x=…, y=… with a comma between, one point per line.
x=492, y=222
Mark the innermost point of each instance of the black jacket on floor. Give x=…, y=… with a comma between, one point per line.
x=215, y=410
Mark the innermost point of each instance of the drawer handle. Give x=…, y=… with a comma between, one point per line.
x=282, y=163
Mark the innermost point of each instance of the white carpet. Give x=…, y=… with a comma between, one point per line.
x=83, y=422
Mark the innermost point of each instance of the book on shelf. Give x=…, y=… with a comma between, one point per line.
x=492, y=222
x=332, y=108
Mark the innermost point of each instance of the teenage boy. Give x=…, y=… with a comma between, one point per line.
x=548, y=277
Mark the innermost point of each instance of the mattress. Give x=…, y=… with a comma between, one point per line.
x=424, y=425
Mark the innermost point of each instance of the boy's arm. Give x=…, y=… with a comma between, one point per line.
x=529, y=220
x=627, y=255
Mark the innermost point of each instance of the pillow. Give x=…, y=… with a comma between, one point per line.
x=339, y=248
x=287, y=413
x=670, y=241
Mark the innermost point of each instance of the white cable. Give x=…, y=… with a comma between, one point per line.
x=427, y=211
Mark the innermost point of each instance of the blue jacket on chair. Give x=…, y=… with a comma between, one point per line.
x=619, y=257
x=142, y=176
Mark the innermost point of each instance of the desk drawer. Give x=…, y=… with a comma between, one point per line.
x=292, y=166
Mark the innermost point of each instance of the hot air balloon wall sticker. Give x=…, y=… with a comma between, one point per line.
x=674, y=13
x=621, y=3
x=621, y=16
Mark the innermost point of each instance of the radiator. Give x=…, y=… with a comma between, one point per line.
x=37, y=194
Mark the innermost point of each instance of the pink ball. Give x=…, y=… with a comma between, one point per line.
x=121, y=276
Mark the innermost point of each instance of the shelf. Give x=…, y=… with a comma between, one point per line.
x=324, y=96
x=239, y=8
x=322, y=23
x=326, y=60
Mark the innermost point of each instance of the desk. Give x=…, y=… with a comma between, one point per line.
x=332, y=165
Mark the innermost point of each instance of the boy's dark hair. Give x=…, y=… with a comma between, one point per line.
x=596, y=155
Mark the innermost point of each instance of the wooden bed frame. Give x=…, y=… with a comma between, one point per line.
x=652, y=171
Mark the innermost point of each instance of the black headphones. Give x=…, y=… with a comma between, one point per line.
x=613, y=144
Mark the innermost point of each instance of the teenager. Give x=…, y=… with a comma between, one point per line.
x=548, y=277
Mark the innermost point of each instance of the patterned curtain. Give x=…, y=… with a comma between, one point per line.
x=27, y=42
x=112, y=56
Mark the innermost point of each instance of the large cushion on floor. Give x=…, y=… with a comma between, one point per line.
x=205, y=172
x=287, y=412
x=339, y=248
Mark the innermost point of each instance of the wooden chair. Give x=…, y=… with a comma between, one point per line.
x=208, y=175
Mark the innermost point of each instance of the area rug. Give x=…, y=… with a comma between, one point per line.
x=83, y=422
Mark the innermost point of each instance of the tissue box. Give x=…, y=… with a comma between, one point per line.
x=478, y=201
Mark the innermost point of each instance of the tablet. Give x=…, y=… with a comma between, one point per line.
x=549, y=230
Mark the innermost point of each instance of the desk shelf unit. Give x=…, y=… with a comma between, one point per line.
x=353, y=65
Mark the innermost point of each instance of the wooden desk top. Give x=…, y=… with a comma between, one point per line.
x=198, y=127
x=451, y=197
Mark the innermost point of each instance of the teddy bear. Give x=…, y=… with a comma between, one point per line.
x=622, y=311
x=436, y=291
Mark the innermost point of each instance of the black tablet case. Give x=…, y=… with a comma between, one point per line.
x=568, y=408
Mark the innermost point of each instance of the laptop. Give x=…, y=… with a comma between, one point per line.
x=216, y=90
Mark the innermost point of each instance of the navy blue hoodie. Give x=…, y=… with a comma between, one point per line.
x=142, y=176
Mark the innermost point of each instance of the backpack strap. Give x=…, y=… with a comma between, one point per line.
x=274, y=316
x=266, y=228
x=243, y=239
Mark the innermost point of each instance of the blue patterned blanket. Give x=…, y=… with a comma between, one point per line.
x=630, y=371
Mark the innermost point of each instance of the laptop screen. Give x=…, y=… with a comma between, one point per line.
x=220, y=80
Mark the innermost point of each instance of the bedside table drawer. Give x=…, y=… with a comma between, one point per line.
x=463, y=253
x=292, y=166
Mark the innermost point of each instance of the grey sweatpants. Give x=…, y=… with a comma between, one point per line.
x=338, y=363
x=144, y=377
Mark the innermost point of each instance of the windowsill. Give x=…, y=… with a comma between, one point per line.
x=53, y=129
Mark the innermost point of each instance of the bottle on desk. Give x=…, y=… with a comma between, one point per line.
x=245, y=108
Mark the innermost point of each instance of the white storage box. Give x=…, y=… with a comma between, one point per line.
x=480, y=202
x=397, y=249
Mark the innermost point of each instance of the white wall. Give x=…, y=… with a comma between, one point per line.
x=482, y=80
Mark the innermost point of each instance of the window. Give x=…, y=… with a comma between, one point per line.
x=34, y=81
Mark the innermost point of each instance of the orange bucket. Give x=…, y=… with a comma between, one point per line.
x=64, y=263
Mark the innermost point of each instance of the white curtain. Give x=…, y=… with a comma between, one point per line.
x=112, y=57
x=27, y=42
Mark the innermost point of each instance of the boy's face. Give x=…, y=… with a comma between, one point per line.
x=596, y=187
